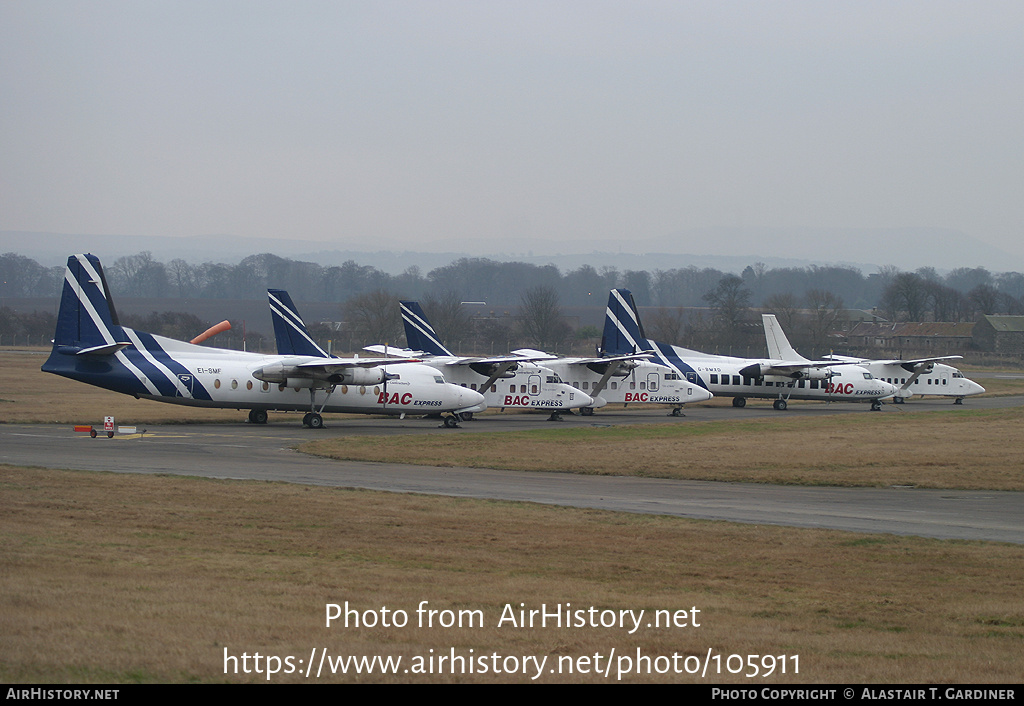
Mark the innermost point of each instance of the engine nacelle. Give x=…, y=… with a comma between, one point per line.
x=812, y=374
x=295, y=376
x=359, y=376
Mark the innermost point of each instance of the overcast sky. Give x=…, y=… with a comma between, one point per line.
x=406, y=124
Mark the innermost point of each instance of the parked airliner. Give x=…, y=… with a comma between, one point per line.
x=780, y=379
x=625, y=378
x=513, y=382
x=921, y=376
x=92, y=347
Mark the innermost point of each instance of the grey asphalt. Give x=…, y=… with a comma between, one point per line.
x=245, y=451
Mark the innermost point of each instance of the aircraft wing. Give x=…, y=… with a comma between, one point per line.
x=456, y=360
x=919, y=361
x=348, y=363
x=795, y=369
x=643, y=355
x=324, y=372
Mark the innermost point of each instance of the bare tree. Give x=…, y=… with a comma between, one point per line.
x=730, y=301
x=784, y=306
x=449, y=319
x=666, y=325
x=825, y=309
x=540, y=317
x=374, y=317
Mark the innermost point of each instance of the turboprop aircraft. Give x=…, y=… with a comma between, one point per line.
x=921, y=376
x=624, y=379
x=92, y=347
x=603, y=379
x=780, y=379
x=505, y=381
x=510, y=381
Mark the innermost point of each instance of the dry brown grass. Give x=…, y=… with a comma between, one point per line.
x=948, y=449
x=120, y=578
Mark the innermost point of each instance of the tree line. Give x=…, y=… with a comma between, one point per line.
x=699, y=307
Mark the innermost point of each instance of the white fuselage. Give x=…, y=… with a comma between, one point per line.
x=529, y=386
x=230, y=379
x=943, y=380
x=641, y=382
x=722, y=376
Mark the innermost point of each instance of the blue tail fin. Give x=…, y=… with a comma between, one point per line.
x=91, y=346
x=623, y=332
x=419, y=334
x=87, y=321
x=289, y=330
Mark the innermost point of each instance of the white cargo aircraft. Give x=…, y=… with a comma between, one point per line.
x=511, y=381
x=921, y=376
x=92, y=347
x=780, y=378
x=624, y=379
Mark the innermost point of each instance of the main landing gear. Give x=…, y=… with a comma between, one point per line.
x=780, y=404
x=257, y=416
x=739, y=401
x=313, y=420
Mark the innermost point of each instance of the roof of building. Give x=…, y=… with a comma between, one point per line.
x=1006, y=324
x=947, y=329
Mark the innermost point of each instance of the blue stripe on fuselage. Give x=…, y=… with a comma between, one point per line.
x=669, y=357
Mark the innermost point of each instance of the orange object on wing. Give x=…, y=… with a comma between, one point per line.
x=212, y=331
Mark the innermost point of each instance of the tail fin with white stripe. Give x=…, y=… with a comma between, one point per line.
x=623, y=332
x=87, y=321
x=289, y=329
x=419, y=334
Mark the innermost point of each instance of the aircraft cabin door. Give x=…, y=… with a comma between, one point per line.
x=652, y=382
x=534, y=382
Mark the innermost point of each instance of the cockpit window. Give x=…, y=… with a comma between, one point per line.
x=439, y=379
x=867, y=376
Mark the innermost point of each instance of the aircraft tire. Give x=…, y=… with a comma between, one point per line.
x=450, y=422
x=257, y=416
x=587, y=411
x=739, y=401
x=780, y=405
x=315, y=421
x=467, y=416
x=898, y=400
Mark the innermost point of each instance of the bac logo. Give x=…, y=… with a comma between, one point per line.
x=517, y=400
x=840, y=389
x=383, y=398
x=636, y=397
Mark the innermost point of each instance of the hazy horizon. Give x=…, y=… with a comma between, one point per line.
x=409, y=126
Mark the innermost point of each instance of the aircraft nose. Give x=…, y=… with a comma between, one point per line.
x=469, y=398
x=578, y=398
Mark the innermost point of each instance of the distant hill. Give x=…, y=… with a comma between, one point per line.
x=727, y=249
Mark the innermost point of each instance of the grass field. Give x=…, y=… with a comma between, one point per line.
x=121, y=578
